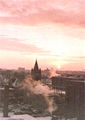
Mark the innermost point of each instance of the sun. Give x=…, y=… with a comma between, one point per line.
x=59, y=66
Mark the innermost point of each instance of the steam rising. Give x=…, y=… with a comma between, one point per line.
x=53, y=73
x=38, y=88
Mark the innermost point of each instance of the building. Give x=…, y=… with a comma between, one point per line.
x=74, y=106
x=21, y=69
x=36, y=72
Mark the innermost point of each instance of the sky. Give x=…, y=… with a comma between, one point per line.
x=51, y=31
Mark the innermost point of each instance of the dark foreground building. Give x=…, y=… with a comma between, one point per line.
x=36, y=72
x=74, y=106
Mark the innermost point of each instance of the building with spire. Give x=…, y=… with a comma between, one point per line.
x=36, y=72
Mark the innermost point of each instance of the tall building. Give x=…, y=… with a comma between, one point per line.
x=36, y=72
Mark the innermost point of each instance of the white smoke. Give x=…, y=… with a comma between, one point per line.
x=53, y=73
x=36, y=87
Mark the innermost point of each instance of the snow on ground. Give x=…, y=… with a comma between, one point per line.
x=43, y=118
x=24, y=117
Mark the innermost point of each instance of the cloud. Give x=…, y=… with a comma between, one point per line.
x=33, y=12
x=10, y=44
x=79, y=57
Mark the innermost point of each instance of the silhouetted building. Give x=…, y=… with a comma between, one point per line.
x=21, y=69
x=74, y=106
x=36, y=72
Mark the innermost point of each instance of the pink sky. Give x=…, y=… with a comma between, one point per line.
x=53, y=31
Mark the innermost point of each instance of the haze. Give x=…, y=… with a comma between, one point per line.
x=52, y=31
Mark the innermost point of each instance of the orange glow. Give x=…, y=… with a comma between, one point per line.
x=59, y=67
x=52, y=32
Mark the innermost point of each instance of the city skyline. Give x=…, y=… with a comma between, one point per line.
x=51, y=32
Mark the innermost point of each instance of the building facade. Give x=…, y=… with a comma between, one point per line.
x=74, y=106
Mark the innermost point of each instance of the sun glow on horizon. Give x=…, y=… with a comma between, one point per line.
x=59, y=67
x=53, y=44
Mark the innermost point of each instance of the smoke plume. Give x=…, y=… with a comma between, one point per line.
x=37, y=88
x=53, y=73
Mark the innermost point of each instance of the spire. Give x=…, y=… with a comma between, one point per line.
x=36, y=65
x=36, y=72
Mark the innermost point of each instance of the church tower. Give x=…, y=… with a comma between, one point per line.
x=36, y=72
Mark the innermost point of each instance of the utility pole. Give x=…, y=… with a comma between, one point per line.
x=5, y=100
